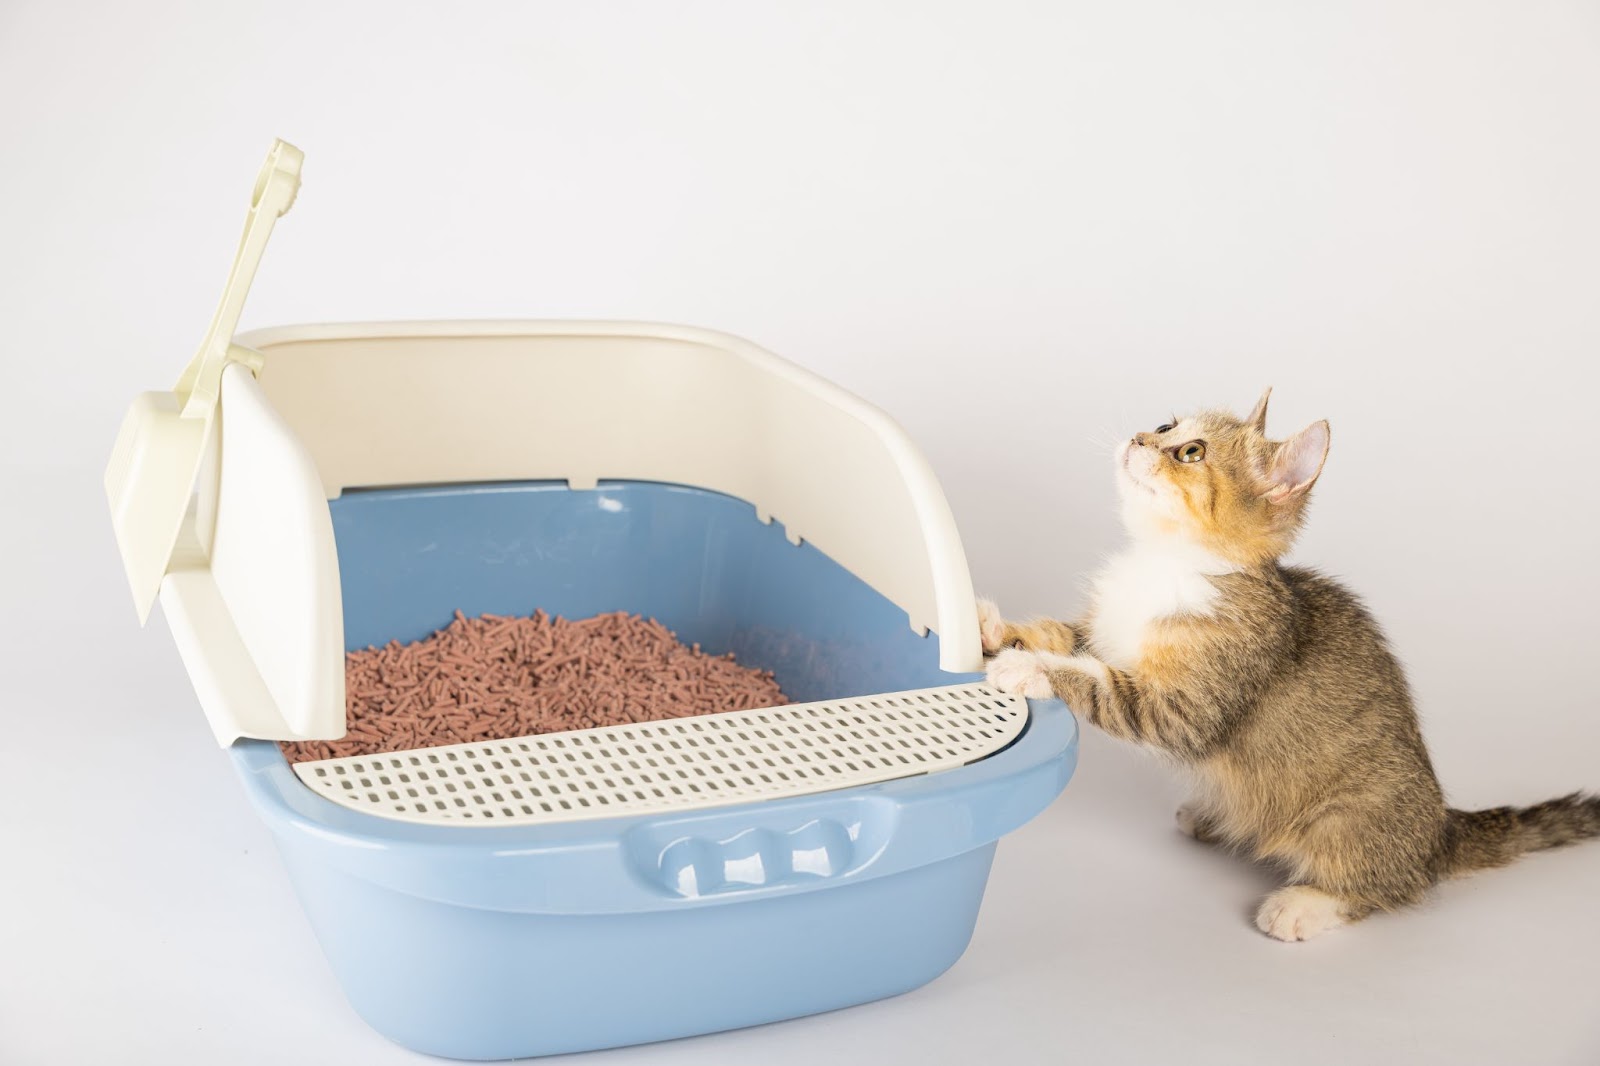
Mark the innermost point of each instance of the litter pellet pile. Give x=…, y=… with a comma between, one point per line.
x=494, y=677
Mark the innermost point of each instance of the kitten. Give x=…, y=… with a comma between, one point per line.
x=1272, y=683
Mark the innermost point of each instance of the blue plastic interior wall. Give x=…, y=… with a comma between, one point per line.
x=699, y=562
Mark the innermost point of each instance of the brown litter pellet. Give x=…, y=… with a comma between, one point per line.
x=493, y=677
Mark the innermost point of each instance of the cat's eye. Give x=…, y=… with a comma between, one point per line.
x=1165, y=427
x=1192, y=452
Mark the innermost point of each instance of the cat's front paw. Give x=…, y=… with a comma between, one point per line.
x=1020, y=673
x=991, y=627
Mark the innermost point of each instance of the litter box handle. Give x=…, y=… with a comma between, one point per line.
x=793, y=846
x=810, y=842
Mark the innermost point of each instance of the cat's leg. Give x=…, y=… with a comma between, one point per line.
x=1354, y=862
x=1185, y=724
x=1039, y=634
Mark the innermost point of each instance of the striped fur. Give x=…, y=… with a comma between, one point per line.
x=1278, y=689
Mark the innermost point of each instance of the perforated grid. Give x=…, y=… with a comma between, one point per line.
x=704, y=761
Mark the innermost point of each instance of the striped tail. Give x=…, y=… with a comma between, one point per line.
x=1479, y=840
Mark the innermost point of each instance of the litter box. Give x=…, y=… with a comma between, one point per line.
x=316, y=489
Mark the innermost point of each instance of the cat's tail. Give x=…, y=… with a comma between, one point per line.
x=1478, y=840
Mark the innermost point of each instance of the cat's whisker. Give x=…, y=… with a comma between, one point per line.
x=1107, y=443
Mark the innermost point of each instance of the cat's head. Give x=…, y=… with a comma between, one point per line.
x=1216, y=481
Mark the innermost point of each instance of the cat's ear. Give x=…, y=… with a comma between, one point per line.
x=1258, y=415
x=1297, y=463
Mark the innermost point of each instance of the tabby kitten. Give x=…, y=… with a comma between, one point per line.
x=1272, y=683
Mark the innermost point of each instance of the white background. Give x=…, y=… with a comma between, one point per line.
x=1025, y=231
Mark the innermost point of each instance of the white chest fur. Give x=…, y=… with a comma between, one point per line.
x=1143, y=585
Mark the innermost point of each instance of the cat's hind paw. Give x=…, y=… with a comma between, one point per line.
x=1020, y=673
x=1299, y=912
x=1193, y=822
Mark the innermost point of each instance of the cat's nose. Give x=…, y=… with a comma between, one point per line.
x=1141, y=438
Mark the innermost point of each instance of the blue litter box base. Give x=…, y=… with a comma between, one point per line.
x=495, y=942
x=532, y=984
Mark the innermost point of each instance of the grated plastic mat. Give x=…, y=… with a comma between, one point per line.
x=682, y=763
